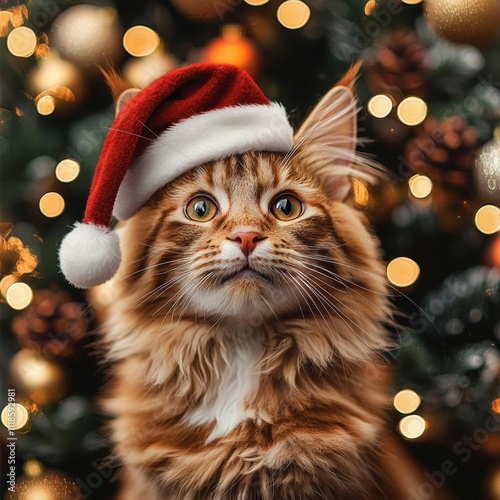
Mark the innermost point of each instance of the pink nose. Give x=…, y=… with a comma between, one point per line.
x=247, y=240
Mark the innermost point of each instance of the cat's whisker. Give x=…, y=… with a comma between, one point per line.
x=130, y=133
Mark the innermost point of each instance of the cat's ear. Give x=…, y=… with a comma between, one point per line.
x=326, y=141
x=124, y=98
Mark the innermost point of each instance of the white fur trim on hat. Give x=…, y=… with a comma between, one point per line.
x=201, y=138
x=89, y=255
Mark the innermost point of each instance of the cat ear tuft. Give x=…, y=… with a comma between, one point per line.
x=326, y=142
x=124, y=98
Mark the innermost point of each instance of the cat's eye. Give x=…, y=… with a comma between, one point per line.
x=201, y=209
x=286, y=207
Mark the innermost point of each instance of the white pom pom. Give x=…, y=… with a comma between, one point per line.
x=89, y=255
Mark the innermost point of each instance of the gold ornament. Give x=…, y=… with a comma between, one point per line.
x=487, y=171
x=89, y=36
x=38, y=378
x=49, y=485
x=141, y=71
x=233, y=48
x=474, y=22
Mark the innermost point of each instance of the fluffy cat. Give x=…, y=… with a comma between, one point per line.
x=247, y=331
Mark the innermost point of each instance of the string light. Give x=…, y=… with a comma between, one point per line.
x=380, y=105
x=46, y=105
x=256, y=3
x=51, y=204
x=16, y=417
x=140, y=41
x=487, y=219
x=412, y=111
x=67, y=170
x=406, y=401
x=402, y=271
x=412, y=426
x=21, y=42
x=420, y=186
x=293, y=14
x=19, y=296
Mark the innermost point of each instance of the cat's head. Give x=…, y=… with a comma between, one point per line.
x=260, y=235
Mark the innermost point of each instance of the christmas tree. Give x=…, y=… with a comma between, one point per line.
x=429, y=98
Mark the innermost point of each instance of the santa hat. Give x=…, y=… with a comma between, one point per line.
x=189, y=116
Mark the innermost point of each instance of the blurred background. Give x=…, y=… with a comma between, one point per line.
x=429, y=97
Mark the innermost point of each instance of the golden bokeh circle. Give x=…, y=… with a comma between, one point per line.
x=402, y=271
x=420, y=186
x=46, y=105
x=67, y=170
x=19, y=296
x=495, y=406
x=256, y=3
x=412, y=111
x=15, y=417
x=411, y=2
x=140, y=41
x=380, y=105
x=487, y=219
x=293, y=14
x=406, y=401
x=6, y=282
x=21, y=42
x=412, y=426
x=51, y=204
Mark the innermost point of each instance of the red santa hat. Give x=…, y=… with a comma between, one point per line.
x=189, y=116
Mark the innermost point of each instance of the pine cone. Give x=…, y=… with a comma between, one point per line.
x=399, y=61
x=52, y=324
x=445, y=151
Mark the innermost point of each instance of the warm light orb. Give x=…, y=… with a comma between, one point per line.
x=67, y=170
x=402, y=271
x=412, y=111
x=406, y=401
x=380, y=105
x=256, y=3
x=46, y=105
x=412, y=2
x=371, y=7
x=420, y=186
x=412, y=426
x=21, y=42
x=51, y=204
x=361, y=195
x=488, y=219
x=495, y=405
x=140, y=41
x=19, y=296
x=16, y=417
x=293, y=14
x=5, y=283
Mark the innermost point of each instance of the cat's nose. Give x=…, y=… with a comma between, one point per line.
x=247, y=240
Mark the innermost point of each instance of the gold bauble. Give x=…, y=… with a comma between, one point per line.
x=40, y=379
x=49, y=485
x=203, y=10
x=473, y=22
x=52, y=72
x=141, y=71
x=89, y=36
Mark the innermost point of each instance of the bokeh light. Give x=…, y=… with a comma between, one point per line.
x=406, y=401
x=371, y=7
x=21, y=42
x=51, y=204
x=495, y=405
x=420, y=186
x=5, y=283
x=46, y=105
x=402, y=271
x=487, y=219
x=412, y=2
x=19, y=296
x=412, y=111
x=140, y=41
x=16, y=417
x=67, y=170
x=293, y=14
x=380, y=105
x=412, y=426
x=256, y=3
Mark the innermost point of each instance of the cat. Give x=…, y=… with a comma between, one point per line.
x=247, y=333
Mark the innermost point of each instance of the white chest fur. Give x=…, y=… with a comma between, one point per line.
x=239, y=381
